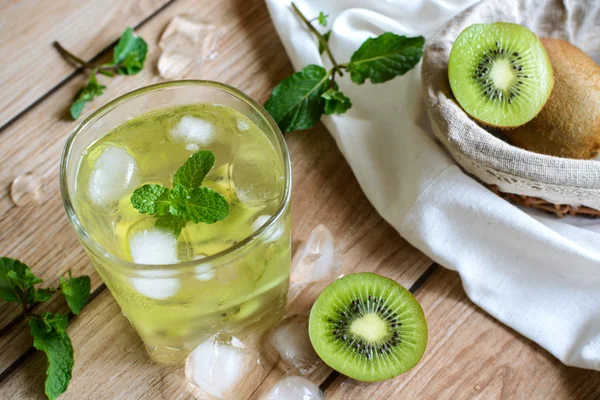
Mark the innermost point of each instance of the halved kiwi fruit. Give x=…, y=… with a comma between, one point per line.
x=368, y=327
x=500, y=73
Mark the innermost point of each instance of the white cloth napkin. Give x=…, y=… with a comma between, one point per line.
x=536, y=274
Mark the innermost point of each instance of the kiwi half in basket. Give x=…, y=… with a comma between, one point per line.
x=368, y=327
x=500, y=73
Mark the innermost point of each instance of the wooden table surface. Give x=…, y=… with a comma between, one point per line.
x=470, y=355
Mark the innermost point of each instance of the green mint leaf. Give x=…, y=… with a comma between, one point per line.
x=56, y=321
x=130, y=53
x=296, y=102
x=206, y=205
x=43, y=295
x=15, y=279
x=187, y=201
x=191, y=174
x=171, y=223
x=385, y=57
x=87, y=93
x=178, y=198
x=149, y=198
x=76, y=291
x=38, y=295
x=50, y=337
x=322, y=18
x=326, y=36
x=163, y=203
x=336, y=102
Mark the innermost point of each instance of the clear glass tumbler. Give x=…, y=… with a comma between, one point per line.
x=240, y=289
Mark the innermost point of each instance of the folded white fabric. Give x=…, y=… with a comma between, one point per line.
x=536, y=274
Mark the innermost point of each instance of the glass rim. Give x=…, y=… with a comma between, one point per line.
x=99, y=250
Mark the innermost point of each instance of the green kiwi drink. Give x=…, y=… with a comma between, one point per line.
x=181, y=289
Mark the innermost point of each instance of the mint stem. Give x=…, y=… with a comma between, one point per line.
x=72, y=57
x=336, y=67
x=25, y=306
x=24, y=303
x=81, y=63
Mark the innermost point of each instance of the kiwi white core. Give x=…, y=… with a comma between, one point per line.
x=370, y=326
x=501, y=74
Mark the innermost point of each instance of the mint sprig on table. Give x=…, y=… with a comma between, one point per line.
x=299, y=101
x=128, y=59
x=187, y=201
x=18, y=285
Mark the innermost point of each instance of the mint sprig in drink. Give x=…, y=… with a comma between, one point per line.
x=180, y=195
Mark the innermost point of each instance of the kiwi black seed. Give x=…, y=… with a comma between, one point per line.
x=500, y=73
x=368, y=327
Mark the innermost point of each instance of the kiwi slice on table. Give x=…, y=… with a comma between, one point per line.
x=500, y=73
x=368, y=327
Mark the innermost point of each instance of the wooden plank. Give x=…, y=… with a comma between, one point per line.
x=250, y=58
x=31, y=66
x=472, y=356
x=110, y=359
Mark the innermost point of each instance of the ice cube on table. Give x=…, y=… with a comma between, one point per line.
x=273, y=233
x=193, y=132
x=290, y=340
x=216, y=365
x=293, y=388
x=115, y=175
x=186, y=44
x=317, y=258
x=154, y=247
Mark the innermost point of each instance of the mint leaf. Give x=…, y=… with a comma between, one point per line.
x=326, y=36
x=171, y=223
x=15, y=279
x=192, y=173
x=163, y=202
x=336, y=102
x=296, y=102
x=178, y=198
x=130, y=53
x=322, y=18
x=76, y=291
x=206, y=205
x=87, y=93
x=385, y=57
x=149, y=198
x=39, y=295
x=50, y=337
x=56, y=321
x=187, y=201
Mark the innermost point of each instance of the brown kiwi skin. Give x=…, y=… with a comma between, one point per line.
x=569, y=124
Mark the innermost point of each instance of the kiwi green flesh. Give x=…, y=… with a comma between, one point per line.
x=500, y=73
x=368, y=327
